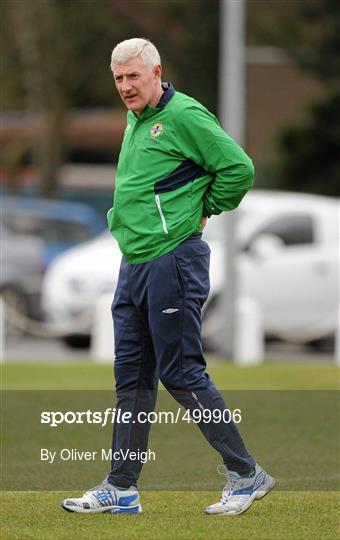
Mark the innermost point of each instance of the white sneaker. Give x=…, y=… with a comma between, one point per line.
x=105, y=498
x=239, y=493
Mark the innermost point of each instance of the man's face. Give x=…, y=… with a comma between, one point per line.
x=137, y=84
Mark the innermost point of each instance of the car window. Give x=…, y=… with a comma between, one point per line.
x=293, y=229
x=52, y=231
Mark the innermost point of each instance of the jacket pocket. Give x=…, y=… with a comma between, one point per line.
x=160, y=211
x=175, y=209
x=115, y=226
x=109, y=217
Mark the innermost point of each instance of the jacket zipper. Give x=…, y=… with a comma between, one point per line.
x=158, y=202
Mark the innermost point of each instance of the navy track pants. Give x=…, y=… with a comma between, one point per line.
x=157, y=323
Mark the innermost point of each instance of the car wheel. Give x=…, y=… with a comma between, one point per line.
x=323, y=345
x=77, y=341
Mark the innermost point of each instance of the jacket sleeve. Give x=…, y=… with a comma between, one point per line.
x=206, y=143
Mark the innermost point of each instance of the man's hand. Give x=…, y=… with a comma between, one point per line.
x=203, y=222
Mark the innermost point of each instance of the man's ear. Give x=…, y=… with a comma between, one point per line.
x=158, y=71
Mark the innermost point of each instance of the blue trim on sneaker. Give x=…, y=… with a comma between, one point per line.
x=105, y=497
x=126, y=501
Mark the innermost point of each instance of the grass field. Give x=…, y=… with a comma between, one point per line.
x=282, y=515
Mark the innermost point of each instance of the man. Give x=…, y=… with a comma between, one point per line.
x=176, y=168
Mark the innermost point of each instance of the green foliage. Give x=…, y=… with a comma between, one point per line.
x=310, y=153
x=77, y=50
x=57, y=58
x=308, y=31
x=318, y=39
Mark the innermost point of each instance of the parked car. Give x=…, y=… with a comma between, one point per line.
x=287, y=261
x=21, y=276
x=74, y=281
x=59, y=224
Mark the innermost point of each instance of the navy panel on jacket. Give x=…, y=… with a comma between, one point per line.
x=186, y=172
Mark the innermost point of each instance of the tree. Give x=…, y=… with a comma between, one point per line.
x=309, y=153
x=58, y=56
x=33, y=27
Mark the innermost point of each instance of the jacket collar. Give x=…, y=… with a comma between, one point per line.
x=168, y=92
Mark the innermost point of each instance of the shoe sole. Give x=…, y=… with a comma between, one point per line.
x=257, y=495
x=108, y=510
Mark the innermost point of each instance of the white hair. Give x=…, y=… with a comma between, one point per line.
x=131, y=48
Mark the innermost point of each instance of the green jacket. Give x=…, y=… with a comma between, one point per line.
x=176, y=165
